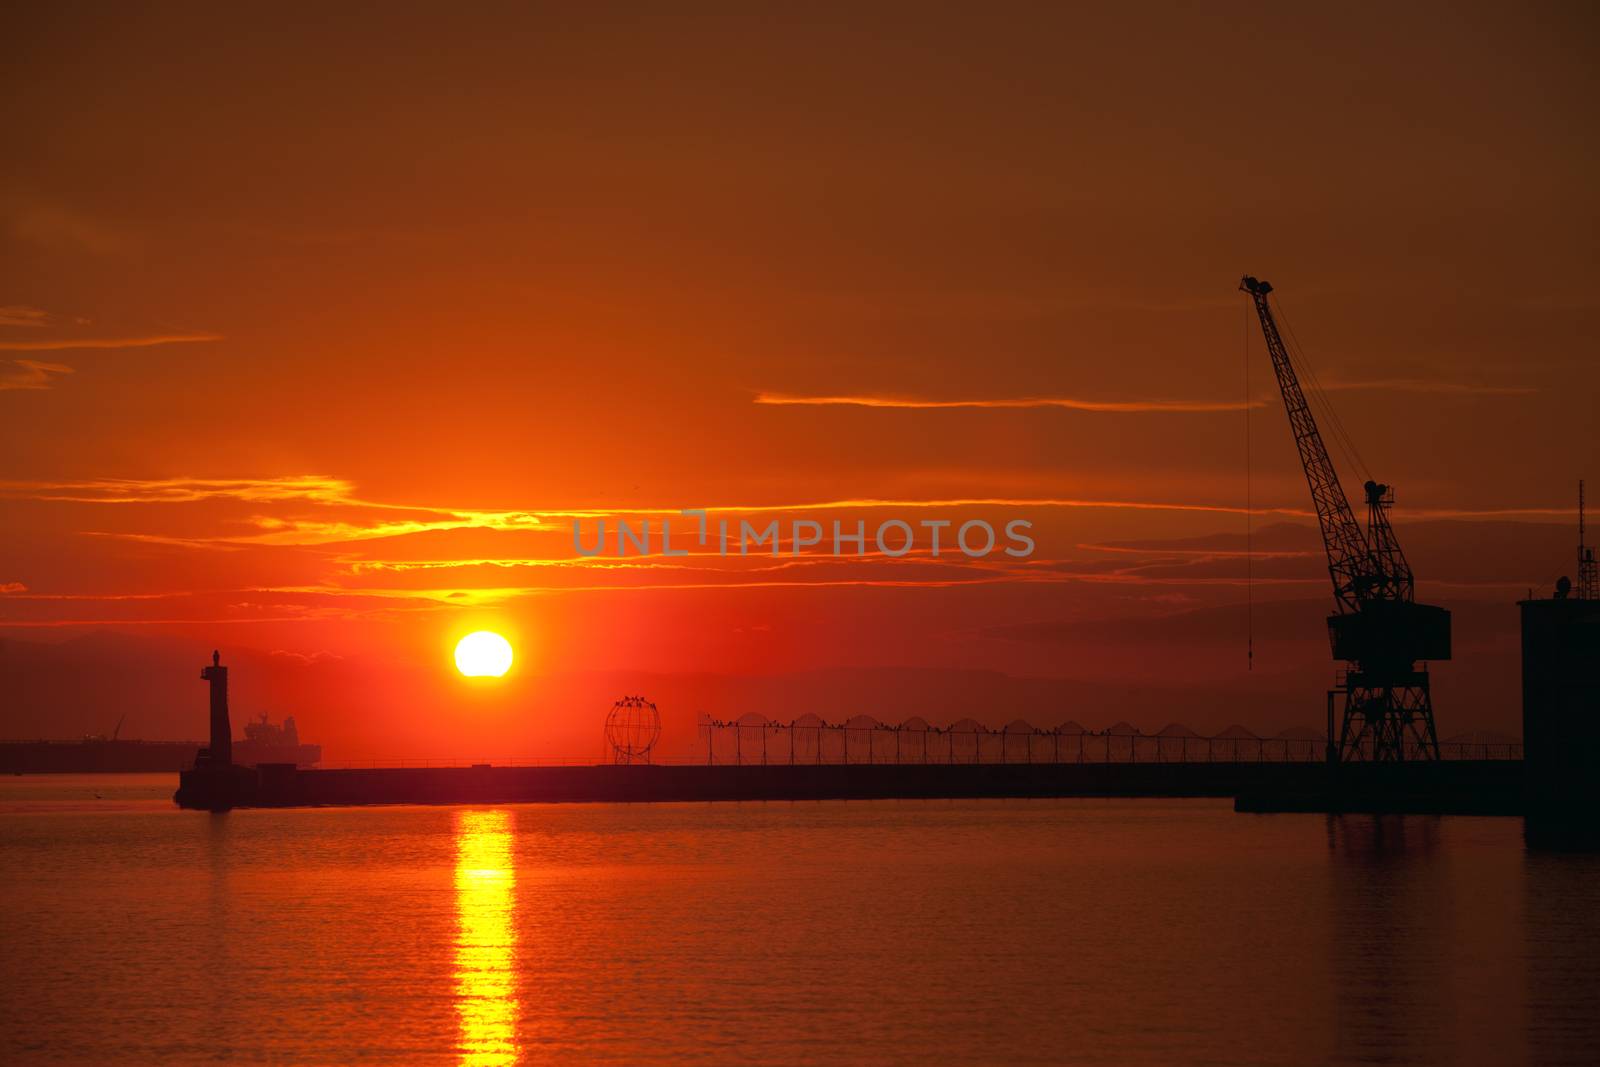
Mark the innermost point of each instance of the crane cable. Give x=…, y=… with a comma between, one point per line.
x=1318, y=396
x=1249, y=551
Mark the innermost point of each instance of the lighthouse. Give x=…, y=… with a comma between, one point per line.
x=220, y=754
x=215, y=783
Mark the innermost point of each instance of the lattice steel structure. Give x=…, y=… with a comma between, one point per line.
x=1380, y=631
x=633, y=726
x=1588, y=571
x=810, y=739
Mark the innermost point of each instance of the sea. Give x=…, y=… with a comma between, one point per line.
x=880, y=932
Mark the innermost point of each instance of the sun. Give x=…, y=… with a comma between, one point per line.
x=483, y=654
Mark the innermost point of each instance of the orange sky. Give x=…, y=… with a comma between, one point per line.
x=316, y=329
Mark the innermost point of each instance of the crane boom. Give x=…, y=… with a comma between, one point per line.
x=1380, y=631
x=1349, y=558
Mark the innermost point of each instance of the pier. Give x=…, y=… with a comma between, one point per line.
x=754, y=758
x=1466, y=786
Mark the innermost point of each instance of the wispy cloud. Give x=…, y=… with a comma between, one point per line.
x=1008, y=304
x=29, y=374
x=314, y=487
x=1202, y=553
x=23, y=315
x=322, y=489
x=314, y=512
x=60, y=228
x=1427, y=385
x=305, y=533
x=321, y=655
x=1492, y=513
x=22, y=594
x=1068, y=402
x=1002, y=502
x=147, y=341
x=316, y=532
x=293, y=531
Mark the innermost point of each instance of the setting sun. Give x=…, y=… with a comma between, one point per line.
x=483, y=655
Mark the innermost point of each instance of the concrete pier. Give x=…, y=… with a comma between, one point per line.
x=1481, y=787
x=1431, y=787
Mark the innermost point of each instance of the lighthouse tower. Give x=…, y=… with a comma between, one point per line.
x=220, y=754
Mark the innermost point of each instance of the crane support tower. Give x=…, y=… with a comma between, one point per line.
x=1384, y=636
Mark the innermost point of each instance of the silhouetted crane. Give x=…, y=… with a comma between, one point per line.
x=1380, y=631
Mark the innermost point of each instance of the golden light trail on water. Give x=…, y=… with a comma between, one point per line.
x=486, y=944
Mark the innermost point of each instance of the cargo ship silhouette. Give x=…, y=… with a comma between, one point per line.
x=267, y=742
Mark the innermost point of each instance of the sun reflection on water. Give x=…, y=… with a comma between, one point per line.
x=486, y=944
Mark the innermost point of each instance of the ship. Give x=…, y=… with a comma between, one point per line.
x=267, y=742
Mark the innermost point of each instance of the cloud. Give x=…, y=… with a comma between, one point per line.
x=1008, y=304
x=1427, y=385
x=313, y=487
x=23, y=315
x=59, y=228
x=98, y=596
x=321, y=655
x=1072, y=403
x=399, y=520
x=317, y=511
x=281, y=531
x=109, y=342
x=306, y=533
x=322, y=489
x=29, y=374
x=313, y=533
x=12, y=587
x=1492, y=513
x=1201, y=553
x=998, y=502
x=1142, y=406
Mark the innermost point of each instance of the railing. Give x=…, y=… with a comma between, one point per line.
x=747, y=744
x=742, y=743
x=492, y=761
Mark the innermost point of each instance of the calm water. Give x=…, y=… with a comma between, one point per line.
x=884, y=932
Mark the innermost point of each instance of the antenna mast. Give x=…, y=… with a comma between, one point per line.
x=1588, y=573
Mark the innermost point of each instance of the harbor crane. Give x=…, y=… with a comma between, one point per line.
x=1379, y=631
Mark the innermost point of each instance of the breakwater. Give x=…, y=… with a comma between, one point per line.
x=95, y=756
x=1468, y=786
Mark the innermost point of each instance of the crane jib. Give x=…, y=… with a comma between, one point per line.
x=1342, y=538
x=1372, y=581
x=1380, y=631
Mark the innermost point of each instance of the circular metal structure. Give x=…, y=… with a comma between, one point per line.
x=633, y=726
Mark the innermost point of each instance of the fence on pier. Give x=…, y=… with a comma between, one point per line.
x=754, y=739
